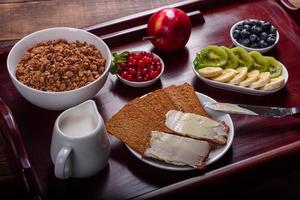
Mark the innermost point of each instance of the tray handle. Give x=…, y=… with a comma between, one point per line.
x=14, y=142
x=142, y=18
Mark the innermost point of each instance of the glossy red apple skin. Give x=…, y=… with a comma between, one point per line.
x=171, y=29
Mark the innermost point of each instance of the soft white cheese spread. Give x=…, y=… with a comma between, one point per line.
x=177, y=150
x=195, y=126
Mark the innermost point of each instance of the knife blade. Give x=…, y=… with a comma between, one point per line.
x=253, y=109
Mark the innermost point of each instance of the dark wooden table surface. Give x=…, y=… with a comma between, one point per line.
x=278, y=179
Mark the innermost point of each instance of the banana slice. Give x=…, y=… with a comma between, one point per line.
x=251, y=77
x=226, y=75
x=242, y=74
x=274, y=83
x=210, y=72
x=263, y=79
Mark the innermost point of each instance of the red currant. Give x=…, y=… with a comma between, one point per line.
x=132, y=71
x=129, y=64
x=139, y=78
x=124, y=74
x=153, y=74
x=130, y=58
x=130, y=77
x=158, y=68
x=122, y=65
x=146, y=77
x=139, y=72
x=145, y=70
x=141, y=63
x=152, y=67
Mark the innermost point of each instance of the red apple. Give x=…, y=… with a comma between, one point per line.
x=169, y=29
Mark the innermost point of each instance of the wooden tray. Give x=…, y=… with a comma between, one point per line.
x=257, y=139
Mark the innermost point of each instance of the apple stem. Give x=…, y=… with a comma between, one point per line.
x=148, y=37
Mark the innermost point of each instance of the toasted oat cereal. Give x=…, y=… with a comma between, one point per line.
x=57, y=65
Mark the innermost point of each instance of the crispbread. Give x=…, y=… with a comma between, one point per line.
x=164, y=100
x=132, y=127
x=149, y=107
x=159, y=104
x=185, y=99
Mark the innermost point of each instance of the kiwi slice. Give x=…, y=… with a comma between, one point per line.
x=210, y=56
x=245, y=59
x=259, y=61
x=275, y=67
x=232, y=61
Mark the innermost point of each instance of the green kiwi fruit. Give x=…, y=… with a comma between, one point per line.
x=210, y=56
x=275, y=67
x=259, y=61
x=232, y=61
x=244, y=59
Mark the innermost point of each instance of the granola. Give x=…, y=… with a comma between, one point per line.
x=58, y=65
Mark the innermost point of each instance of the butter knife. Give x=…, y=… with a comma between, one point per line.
x=253, y=110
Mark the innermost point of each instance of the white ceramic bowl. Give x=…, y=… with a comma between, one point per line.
x=144, y=83
x=261, y=50
x=241, y=89
x=57, y=100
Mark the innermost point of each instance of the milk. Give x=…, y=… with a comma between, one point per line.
x=80, y=146
x=78, y=125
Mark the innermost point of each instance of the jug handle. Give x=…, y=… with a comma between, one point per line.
x=61, y=169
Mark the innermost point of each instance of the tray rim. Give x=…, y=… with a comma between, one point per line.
x=222, y=172
x=213, y=174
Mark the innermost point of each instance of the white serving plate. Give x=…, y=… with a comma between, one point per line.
x=240, y=89
x=217, y=151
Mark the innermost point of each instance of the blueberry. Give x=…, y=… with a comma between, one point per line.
x=236, y=34
x=259, y=29
x=263, y=44
x=256, y=29
x=272, y=35
x=245, y=42
x=271, y=40
x=254, y=45
x=253, y=38
x=263, y=36
x=273, y=30
x=252, y=30
x=258, y=23
x=266, y=26
x=247, y=27
x=239, y=27
x=245, y=34
x=248, y=22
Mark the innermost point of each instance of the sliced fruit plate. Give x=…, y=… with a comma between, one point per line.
x=239, y=71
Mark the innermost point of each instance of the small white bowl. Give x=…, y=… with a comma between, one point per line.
x=65, y=99
x=261, y=50
x=143, y=83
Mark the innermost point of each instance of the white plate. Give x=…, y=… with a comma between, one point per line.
x=215, y=154
x=240, y=89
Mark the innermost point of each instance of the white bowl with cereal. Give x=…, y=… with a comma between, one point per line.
x=58, y=68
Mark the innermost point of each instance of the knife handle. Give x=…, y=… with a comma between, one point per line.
x=296, y=112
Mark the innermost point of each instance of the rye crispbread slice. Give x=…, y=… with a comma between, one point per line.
x=149, y=108
x=185, y=99
x=158, y=104
x=132, y=127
